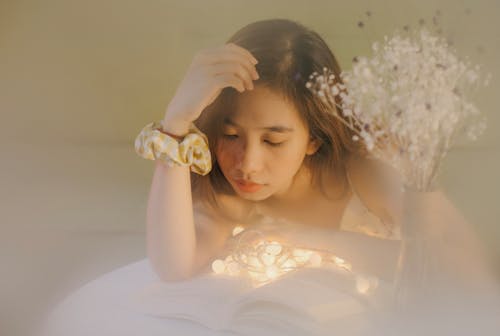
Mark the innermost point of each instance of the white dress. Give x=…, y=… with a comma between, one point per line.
x=324, y=300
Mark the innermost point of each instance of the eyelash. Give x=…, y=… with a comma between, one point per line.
x=273, y=144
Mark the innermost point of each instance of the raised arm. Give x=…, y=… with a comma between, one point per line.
x=175, y=247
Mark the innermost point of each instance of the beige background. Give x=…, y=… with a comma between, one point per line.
x=78, y=80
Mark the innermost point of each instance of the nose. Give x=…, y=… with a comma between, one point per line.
x=250, y=160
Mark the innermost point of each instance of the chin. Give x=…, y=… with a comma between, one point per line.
x=257, y=196
x=252, y=197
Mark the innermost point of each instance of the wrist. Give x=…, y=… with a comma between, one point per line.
x=175, y=127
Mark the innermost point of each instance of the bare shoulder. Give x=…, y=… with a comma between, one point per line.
x=377, y=186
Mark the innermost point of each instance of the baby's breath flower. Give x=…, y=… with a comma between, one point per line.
x=411, y=94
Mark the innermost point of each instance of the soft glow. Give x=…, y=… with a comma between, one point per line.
x=233, y=268
x=272, y=272
x=274, y=248
x=315, y=259
x=267, y=259
x=238, y=229
x=301, y=255
x=338, y=260
x=365, y=284
x=362, y=284
x=342, y=263
x=218, y=266
x=264, y=261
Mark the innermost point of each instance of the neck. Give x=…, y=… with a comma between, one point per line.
x=298, y=190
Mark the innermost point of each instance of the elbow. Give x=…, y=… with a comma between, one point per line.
x=170, y=276
x=167, y=272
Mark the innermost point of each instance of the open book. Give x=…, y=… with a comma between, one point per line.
x=307, y=301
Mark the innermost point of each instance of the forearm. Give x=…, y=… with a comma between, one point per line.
x=171, y=235
x=366, y=254
x=454, y=243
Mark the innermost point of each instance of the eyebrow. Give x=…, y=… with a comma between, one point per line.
x=276, y=128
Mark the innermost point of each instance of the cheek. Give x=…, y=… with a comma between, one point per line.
x=293, y=162
x=226, y=154
x=284, y=162
x=292, y=154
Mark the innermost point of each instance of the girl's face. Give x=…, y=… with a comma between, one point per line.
x=263, y=144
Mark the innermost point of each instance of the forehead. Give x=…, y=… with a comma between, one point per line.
x=261, y=107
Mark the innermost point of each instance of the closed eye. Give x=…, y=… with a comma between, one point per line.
x=234, y=136
x=274, y=144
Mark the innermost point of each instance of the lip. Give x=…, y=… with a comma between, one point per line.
x=248, y=186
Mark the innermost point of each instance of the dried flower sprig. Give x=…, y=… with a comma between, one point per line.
x=408, y=102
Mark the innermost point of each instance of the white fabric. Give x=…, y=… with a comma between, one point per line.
x=132, y=300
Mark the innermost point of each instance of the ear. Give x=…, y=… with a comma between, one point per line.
x=313, y=145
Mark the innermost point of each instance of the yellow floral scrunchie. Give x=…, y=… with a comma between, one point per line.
x=192, y=151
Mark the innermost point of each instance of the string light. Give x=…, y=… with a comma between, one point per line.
x=265, y=260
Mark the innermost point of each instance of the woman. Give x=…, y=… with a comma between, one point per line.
x=277, y=153
x=276, y=148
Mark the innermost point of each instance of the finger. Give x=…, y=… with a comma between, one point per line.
x=225, y=54
x=246, y=53
x=231, y=67
x=229, y=79
x=243, y=51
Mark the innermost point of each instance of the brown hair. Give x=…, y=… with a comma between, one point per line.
x=288, y=53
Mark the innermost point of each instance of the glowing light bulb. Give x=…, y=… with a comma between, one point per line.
x=341, y=263
x=233, y=268
x=272, y=272
x=274, y=248
x=267, y=259
x=301, y=255
x=365, y=284
x=362, y=284
x=338, y=260
x=254, y=262
x=218, y=266
x=259, y=277
x=290, y=263
x=238, y=229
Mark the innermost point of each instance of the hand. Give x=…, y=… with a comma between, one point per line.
x=210, y=71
